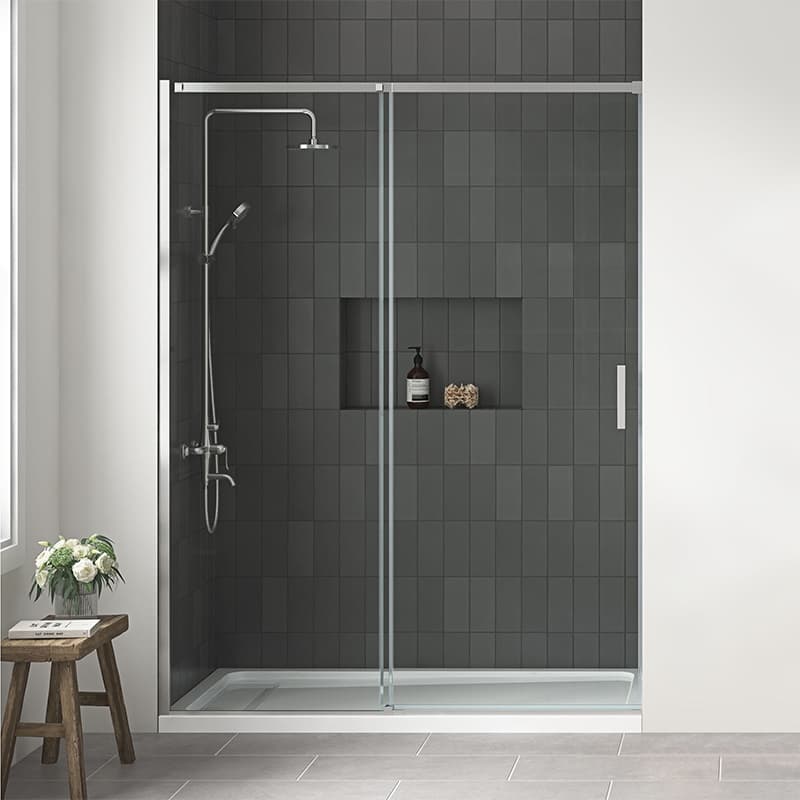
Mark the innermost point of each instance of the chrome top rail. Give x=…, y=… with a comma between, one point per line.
x=493, y=87
x=502, y=87
x=260, y=87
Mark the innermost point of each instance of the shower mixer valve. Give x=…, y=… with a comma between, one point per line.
x=207, y=451
x=197, y=449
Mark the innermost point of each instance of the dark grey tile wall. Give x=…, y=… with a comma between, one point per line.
x=187, y=48
x=516, y=523
x=459, y=40
x=513, y=516
x=516, y=532
x=297, y=553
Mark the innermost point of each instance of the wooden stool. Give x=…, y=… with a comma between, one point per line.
x=64, y=701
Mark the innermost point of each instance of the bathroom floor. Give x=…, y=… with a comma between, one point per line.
x=431, y=767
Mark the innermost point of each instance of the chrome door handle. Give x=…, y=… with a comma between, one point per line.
x=620, y=397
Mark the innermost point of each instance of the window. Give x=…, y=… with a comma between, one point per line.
x=8, y=287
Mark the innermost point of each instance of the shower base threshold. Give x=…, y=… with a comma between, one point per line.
x=444, y=690
x=426, y=701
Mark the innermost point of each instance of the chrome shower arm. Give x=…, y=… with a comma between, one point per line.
x=206, y=121
x=306, y=111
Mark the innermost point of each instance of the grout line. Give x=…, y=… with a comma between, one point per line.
x=423, y=744
x=105, y=763
x=394, y=789
x=719, y=776
x=178, y=791
x=513, y=768
x=610, y=787
x=308, y=767
x=226, y=744
x=621, y=741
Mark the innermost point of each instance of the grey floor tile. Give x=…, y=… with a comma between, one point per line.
x=439, y=768
x=160, y=744
x=221, y=768
x=98, y=790
x=519, y=744
x=500, y=790
x=31, y=767
x=761, y=768
x=706, y=791
x=286, y=790
x=718, y=743
x=332, y=744
x=629, y=768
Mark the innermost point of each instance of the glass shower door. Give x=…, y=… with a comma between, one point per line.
x=512, y=526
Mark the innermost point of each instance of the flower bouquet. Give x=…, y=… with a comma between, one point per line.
x=75, y=571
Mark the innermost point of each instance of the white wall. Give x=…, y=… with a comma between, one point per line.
x=88, y=311
x=721, y=375
x=108, y=326
x=38, y=319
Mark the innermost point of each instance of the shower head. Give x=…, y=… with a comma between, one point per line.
x=312, y=144
x=239, y=213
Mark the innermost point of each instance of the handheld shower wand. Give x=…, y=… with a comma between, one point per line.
x=239, y=213
x=210, y=447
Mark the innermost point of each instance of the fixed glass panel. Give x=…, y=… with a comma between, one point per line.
x=281, y=604
x=513, y=532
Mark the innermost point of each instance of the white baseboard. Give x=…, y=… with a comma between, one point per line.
x=401, y=722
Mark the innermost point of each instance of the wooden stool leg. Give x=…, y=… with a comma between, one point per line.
x=116, y=703
x=73, y=730
x=50, y=747
x=16, y=694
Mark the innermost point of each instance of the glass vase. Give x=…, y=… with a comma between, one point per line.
x=83, y=604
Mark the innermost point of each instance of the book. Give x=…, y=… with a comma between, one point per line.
x=53, y=628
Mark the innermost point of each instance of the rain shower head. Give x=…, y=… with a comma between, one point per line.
x=312, y=144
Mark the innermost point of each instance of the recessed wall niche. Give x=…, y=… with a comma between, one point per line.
x=463, y=340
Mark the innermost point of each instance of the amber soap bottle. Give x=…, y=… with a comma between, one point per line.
x=418, y=384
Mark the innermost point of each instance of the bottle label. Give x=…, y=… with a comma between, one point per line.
x=418, y=390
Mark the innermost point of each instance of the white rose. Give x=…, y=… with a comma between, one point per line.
x=60, y=543
x=72, y=542
x=43, y=557
x=41, y=578
x=80, y=551
x=84, y=570
x=105, y=563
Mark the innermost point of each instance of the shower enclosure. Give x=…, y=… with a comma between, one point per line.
x=372, y=556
